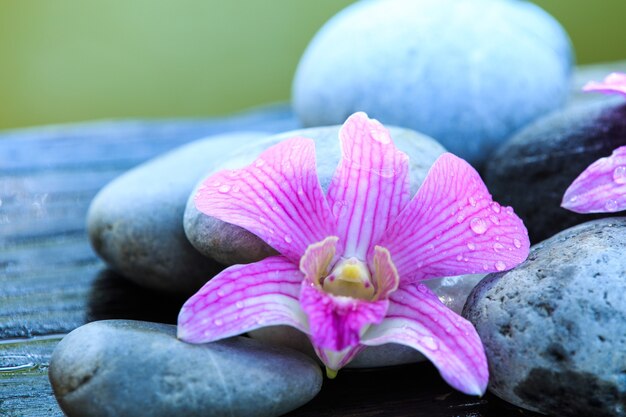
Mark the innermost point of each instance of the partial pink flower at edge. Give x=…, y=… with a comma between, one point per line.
x=601, y=187
x=351, y=261
x=614, y=83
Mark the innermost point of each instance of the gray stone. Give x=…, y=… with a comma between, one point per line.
x=554, y=328
x=532, y=171
x=123, y=368
x=231, y=244
x=467, y=72
x=452, y=291
x=135, y=222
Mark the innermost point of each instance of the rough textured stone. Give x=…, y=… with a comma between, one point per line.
x=135, y=222
x=128, y=368
x=532, y=171
x=467, y=72
x=452, y=291
x=231, y=244
x=554, y=328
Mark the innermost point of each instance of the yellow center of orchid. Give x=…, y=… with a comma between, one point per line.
x=350, y=278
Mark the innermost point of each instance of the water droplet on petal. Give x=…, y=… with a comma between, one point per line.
x=478, y=225
x=338, y=209
x=224, y=189
x=498, y=247
x=509, y=210
x=239, y=304
x=460, y=218
x=422, y=288
x=495, y=207
x=380, y=136
x=619, y=175
x=420, y=264
x=430, y=343
x=472, y=201
x=494, y=219
x=236, y=188
x=459, y=257
x=220, y=293
x=611, y=205
x=500, y=266
x=259, y=163
x=300, y=190
x=288, y=239
x=471, y=246
x=217, y=183
x=485, y=267
x=517, y=243
x=218, y=322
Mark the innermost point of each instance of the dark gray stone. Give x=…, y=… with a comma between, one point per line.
x=532, y=171
x=231, y=244
x=135, y=222
x=469, y=73
x=123, y=368
x=554, y=328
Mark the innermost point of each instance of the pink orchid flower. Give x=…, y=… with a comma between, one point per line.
x=351, y=261
x=601, y=187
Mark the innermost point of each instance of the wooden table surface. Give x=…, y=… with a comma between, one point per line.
x=51, y=281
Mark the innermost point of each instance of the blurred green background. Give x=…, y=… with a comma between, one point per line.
x=73, y=60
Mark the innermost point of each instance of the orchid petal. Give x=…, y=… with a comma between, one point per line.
x=601, y=187
x=244, y=298
x=613, y=83
x=278, y=198
x=336, y=322
x=318, y=258
x=384, y=273
x=370, y=186
x=416, y=318
x=453, y=227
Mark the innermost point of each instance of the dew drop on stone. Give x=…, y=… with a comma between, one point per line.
x=517, y=243
x=619, y=175
x=495, y=207
x=611, y=205
x=478, y=225
x=498, y=247
x=224, y=189
x=471, y=246
x=218, y=322
x=288, y=239
x=430, y=343
x=500, y=266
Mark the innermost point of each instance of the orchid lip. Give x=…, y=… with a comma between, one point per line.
x=350, y=278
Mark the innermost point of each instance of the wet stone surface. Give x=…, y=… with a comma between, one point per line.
x=135, y=222
x=554, y=328
x=131, y=368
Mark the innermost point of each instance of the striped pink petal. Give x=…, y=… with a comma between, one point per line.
x=417, y=318
x=336, y=322
x=278, y=198
x=243, y=298
x=370, y=186
x=453, y=227
x=601, y=188
x=614, y=83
